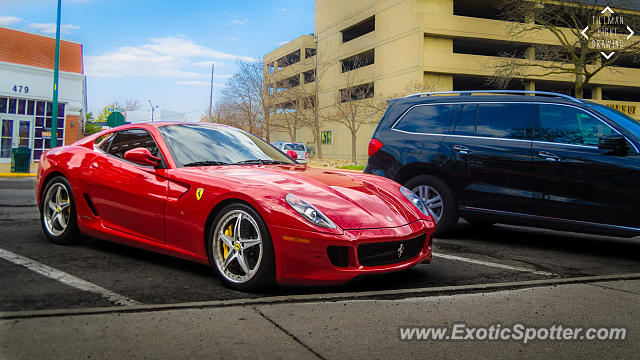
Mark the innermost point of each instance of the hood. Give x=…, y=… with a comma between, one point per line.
x=351, y=200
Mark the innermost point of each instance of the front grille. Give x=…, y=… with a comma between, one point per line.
x=385, y=253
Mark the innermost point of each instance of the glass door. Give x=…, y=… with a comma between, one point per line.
x=14, y=133
x=6, y=138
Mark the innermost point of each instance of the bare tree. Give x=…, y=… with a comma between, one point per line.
x=129, y=105
x=355, y=106
x=576, y=25
x=244, y=91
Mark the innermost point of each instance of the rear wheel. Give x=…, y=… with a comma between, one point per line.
x=240, y=249
x=58, y=213
x=438, y=198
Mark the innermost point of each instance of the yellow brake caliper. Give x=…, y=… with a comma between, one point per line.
x=225, y=249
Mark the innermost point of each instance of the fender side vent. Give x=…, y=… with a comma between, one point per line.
x=91, y=207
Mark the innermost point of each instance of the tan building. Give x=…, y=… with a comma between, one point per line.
x=407, y=45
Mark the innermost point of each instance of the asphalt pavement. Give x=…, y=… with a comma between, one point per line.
x=177, y=309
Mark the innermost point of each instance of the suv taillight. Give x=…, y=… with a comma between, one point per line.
x=374, y=146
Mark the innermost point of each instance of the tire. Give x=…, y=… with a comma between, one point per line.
x=243, y=258
x=58, y=214
x=429, y=188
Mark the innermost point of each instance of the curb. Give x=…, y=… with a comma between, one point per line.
x=8, y=175
x=329, y=297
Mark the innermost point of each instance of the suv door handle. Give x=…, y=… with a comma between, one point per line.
x=461, y=149
x=549, y=156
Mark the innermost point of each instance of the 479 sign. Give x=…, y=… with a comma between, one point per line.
x=20, y=89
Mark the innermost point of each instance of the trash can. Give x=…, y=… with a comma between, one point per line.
x=21, y=160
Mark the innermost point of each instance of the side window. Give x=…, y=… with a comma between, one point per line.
x=130, y=139
x=568, y=125
x=431, y=119
x=505, y=121
x=103, y=141
x=466, y=124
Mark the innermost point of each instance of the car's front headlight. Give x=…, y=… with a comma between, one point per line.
x=415, y=199
x=309, y=212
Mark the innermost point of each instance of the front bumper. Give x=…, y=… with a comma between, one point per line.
x=302, y=258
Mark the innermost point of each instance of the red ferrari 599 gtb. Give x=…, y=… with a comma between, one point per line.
x=217, y=195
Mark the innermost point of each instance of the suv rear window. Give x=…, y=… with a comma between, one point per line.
x=296, y=147
x=505, y=121
x=428, y=119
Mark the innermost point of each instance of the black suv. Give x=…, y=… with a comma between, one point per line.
x=519, y=157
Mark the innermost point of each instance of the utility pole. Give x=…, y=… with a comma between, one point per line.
x=56, y=68
x=211, y=94
x=152, y=109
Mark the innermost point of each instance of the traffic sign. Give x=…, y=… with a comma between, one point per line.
x=115, y=119
x=120, y=110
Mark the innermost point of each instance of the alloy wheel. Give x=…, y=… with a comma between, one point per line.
x=432, y=199
x=56, y=209
x=237, y=246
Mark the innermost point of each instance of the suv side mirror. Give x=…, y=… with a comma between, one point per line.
x=142, y=156
x=615, y=144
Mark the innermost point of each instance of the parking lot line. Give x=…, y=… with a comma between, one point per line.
x=65, y=278
x=492, y=264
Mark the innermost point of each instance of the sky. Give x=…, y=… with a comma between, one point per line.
x=162, y=50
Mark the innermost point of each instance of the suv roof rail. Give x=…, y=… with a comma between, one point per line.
x=470, y=92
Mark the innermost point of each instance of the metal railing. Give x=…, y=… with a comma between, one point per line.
x=521, y=92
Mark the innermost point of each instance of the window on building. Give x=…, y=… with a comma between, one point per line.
x=488, y=10
x=309, y=52
x=270, y=68
x=568, y=125
x=326, y=137
x=288, y=83
x=30, y=107
x=285, y=108
x=358, y=92
x=290, y=59
x=357, y=61
x=42, y=132
x=505, y=121
x=22, y=107
x=364, y=27
x=3, y=105
x=427, y=119
x=12, y=106
x=309, y=103
x=309, y=76
x=466, y=124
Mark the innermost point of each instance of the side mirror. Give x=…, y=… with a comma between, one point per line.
x=292, y=154
x=614, y=144
x=142, y=156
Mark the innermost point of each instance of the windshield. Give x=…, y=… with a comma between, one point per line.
x=197, y=145
x=296, y=147
x=619, y=118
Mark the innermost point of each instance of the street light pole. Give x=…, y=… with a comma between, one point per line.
x=56, y=68
x=152, y=108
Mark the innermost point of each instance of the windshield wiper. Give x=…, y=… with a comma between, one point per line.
x=205, y=163
x=262, y=162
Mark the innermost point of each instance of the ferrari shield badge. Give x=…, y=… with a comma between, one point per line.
x=199, y=193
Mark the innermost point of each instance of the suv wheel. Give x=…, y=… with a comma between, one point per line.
x=438, y=198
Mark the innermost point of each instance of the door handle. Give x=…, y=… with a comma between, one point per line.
x=549, y=156
x=461, y=149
